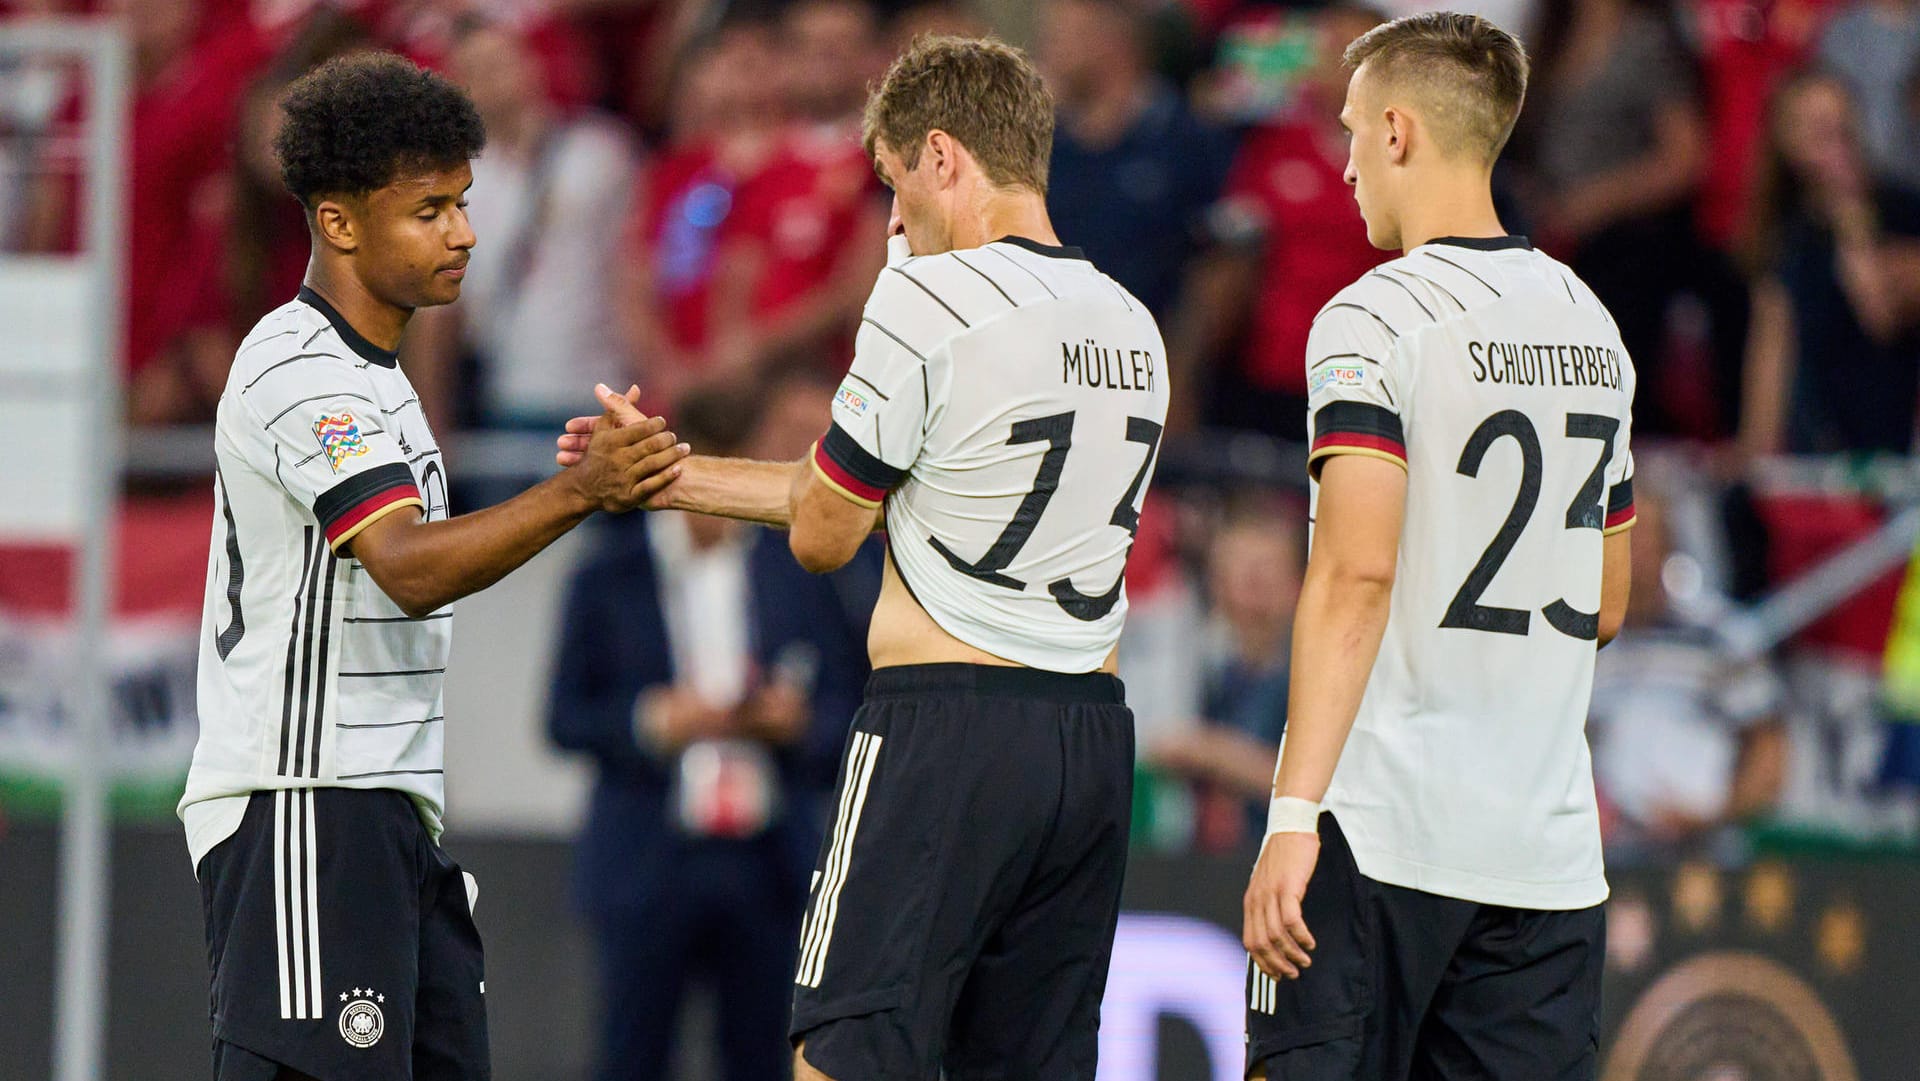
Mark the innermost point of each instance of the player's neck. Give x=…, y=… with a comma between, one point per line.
x=1451, y=206
x=376, y=320
x=1006, y=213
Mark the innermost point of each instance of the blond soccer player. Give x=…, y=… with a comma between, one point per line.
x=1427, y=902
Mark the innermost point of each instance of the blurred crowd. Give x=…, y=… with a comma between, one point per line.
x=674, y=194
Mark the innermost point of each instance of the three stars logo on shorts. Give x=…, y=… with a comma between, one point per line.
x=361, y=1022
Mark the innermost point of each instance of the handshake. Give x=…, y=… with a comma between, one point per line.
x=621, y=460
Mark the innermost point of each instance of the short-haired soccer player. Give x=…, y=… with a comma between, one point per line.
x=340, y=935
x=1002, y=415
x=1470, y=413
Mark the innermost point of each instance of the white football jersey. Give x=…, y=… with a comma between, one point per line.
x=309, y=675
x=1497, y=379
x=1006, y=403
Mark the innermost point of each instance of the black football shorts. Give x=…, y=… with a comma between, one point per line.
x=342, y=944
x=963, y=911
x=1407, y=985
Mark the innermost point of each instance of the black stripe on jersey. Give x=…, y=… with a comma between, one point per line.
x=1405, y=289
x=1357, y=307
x=392, y=724
x=1620, y=497
x=390, y=773
x=1462, y=270
x=1486, y=243
x=318, y=398
x=1028, y=270
x=307, y=688
x=326, y=640
x=402, y=405
x=393, y=672
x=278, y=364
x=931, y=293
x=897, y=338
x=397, y=619
x=1424, y=280
x=877, y=392
x=293, y=645
x=236, y=573
x=428, y=453
x=1121, y=293
x=335, y=502
x=849, y=455
x=983, y=277
x=1362, y=419
x=1568, y=286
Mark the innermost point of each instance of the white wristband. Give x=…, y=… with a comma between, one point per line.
x=1290, y=814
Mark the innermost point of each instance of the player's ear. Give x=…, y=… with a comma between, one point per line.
x=335, y=225
x=1398, y=126
x=942, y=155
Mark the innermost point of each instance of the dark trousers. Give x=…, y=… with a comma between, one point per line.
x=720, y=915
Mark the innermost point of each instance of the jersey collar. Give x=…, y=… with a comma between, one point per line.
x=1053, y=251
x=373, y=354
x=1484, y=243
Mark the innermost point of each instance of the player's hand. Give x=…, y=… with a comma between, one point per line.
x=573, y=444
x=627, y=460
x=1275, y=935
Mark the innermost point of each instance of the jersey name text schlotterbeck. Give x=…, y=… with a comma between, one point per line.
x=1006, y=402
x=310, y=676
x=1498, y=380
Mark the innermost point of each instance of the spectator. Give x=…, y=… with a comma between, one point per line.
x=1875, y=46
x=711, y=680
x=1253, y=579
x=1133, y=170
x=189, y=75
x=1287, y=236
x=725, y=126
x=251, y=256
x=1686, y=738
x=1837, y=308
x=546, y=199
x=799, y=255
x=1615, y=148
x=1745, y=49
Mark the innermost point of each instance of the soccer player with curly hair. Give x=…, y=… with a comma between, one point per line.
x=340, y=934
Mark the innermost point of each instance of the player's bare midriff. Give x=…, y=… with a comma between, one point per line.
x=903, y=633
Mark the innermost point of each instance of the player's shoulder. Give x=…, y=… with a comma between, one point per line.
x=930, y=299
x=291, y=347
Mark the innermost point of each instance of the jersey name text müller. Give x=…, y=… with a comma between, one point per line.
x=1517, y=364
x=1097, y=366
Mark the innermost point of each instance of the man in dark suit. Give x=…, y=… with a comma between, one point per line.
x=712, y=680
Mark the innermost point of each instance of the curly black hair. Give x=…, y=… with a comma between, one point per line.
x=356, y=122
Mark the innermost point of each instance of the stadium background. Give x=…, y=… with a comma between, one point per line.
x=679, y=200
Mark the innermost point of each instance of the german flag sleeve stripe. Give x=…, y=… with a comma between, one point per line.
x=348, y=507
x=1357, y=428
x=1620, y=512
x=851, y=470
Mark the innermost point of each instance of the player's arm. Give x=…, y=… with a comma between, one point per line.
x=1337, y=626
x=1616, y=583
x=424, y=566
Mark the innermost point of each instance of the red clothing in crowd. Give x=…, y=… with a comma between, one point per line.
x=1287, y=182
x=1746, y=46
x=803, y=208
x=687, y=201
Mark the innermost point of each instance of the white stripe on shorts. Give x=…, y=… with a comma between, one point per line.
x=817, y=935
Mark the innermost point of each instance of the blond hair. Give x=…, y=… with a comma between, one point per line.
x=984, y=93
x=1470, y=75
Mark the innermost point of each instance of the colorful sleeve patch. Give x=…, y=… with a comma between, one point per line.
x=339, y=436
x=355, y=503
x=1356, y=428
x=851, y=470
x=1620, y=512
